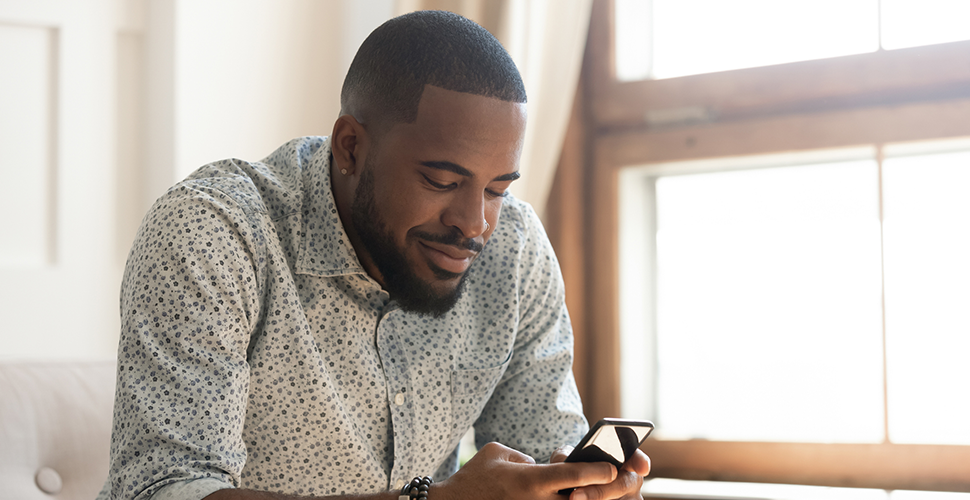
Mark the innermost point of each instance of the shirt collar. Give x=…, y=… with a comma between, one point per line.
x=326, y=248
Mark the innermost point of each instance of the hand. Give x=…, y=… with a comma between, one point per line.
x=626, y=486
x=501, y=473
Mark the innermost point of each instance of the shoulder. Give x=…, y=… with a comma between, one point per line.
x=520, y=231
x=273, y=185
x=519, y=248
x=519, y=226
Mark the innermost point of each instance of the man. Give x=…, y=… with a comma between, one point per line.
x=330, y=321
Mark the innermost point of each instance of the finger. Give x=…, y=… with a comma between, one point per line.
x=627, y=484
x=501, y=452
x=560, y=454
x=576, y=474
x=639, y=463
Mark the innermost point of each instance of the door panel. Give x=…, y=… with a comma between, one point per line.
x=59, y=266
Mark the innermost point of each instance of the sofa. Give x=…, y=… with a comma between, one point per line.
x=55, y=427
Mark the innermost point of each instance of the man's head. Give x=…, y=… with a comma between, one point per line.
x=427, y=143
x=387, y=77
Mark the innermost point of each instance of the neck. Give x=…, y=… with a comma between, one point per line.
x=343, y=187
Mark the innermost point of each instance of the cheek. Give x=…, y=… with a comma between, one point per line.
x=405, y=209
x=493, y=210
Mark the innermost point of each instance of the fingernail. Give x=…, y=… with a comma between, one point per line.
x=578, y=495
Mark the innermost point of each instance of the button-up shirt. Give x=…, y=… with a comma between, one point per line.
x=256, y=351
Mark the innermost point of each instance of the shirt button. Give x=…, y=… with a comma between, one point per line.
x=399, y=400
x=399, y=484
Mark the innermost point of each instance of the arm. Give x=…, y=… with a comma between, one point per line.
x=234, y=494
x=190, y=299
x=538, y=392
x=521, y=479
x=535, y=408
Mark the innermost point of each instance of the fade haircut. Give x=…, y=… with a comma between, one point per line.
x=387, y=76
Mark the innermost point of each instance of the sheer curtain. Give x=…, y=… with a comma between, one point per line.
x=546, y=38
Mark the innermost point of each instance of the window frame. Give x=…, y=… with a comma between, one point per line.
x=903, y=95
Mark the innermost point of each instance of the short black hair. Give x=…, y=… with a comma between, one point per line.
x=439, y=48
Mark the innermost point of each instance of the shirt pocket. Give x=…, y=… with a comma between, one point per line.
x=479, y=380
x=470, y=390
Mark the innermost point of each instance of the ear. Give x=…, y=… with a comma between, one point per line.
x=347, y=143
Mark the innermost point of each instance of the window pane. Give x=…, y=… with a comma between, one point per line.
x=703, y=36
x=769, y=315
x=910, y=23
x=927, y=260
x=633, y=38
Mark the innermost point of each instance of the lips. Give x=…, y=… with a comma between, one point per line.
x=447, y=257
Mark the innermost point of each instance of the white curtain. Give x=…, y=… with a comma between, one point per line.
x=546, y=39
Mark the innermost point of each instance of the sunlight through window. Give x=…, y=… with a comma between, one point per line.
x=768, y=282
x=911, y=23
x=769, y=317
x=927, y=241
x=672, y=38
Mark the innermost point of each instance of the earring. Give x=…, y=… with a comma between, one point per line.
x=343, y=171
x=486, y=226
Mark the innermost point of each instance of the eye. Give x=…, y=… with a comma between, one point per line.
x=495, y=194
x=437, y=185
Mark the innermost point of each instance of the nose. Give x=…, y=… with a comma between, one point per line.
x=467, y=214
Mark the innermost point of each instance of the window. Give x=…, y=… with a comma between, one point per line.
x=842, y=175
x=926, y=235
x=769, y=276
x=672, y=38
x=768, y=323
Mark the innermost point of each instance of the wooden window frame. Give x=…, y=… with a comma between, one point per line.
x=869, y=99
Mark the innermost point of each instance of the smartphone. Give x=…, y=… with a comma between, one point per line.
x=612, y=440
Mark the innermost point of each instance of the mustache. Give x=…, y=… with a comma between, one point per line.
x=453, y=238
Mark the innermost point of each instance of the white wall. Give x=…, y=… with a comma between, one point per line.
x=248, y=75
x=142, y=93
x=252, y=74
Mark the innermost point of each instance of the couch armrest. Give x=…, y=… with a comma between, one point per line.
x=55, y=421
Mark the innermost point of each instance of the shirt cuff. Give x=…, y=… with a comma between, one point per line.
x=190, y=489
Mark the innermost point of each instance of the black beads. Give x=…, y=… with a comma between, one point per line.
x=417, y=489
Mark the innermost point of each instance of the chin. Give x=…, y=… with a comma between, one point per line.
x=436, y=295
x=446, y=287
x=440, y=277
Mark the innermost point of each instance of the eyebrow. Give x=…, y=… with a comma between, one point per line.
x=464, y=172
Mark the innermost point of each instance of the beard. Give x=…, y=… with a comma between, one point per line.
x=400, y=279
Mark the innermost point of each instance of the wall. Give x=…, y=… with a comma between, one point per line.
x=134, y=95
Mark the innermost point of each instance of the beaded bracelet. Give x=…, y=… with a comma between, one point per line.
x=417, y=489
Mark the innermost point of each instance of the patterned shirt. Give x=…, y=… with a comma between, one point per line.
x=256, y=352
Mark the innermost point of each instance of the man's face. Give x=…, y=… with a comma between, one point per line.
x=427, y=190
